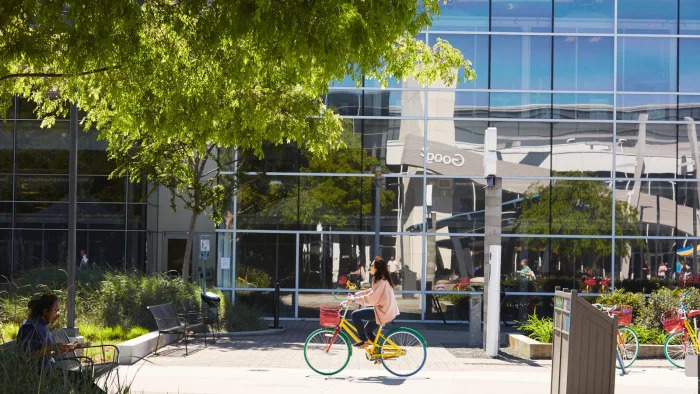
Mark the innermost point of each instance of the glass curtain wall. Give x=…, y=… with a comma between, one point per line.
x=596, y=106
x=111, y=224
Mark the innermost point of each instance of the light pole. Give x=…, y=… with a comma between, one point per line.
x=377, y=207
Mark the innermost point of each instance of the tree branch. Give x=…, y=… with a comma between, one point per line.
x=56, y=75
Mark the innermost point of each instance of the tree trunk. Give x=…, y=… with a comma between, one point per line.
x=188, y=248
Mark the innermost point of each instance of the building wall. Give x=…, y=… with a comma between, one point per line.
x=586, y=95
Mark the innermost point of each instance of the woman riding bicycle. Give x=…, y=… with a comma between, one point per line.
x=380, y=298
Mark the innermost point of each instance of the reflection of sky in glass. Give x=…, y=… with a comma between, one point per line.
x=584, y=16
x=476, y=49
x=463, y=15
x=647, y=16
x=521, y=15
x=657, y=106
x=690, y=17
x=646, y=64
x=517, y=99
x=469, y=99
x=521, y=62
x=583, y=99
x=689, y=66
x=583, y=63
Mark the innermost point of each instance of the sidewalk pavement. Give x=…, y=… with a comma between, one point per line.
x=268, y=364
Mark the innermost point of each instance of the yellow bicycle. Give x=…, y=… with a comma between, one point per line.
x=684, y=336
x=402, y=351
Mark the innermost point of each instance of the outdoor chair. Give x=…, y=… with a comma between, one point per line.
x=205, y=314
x=73, y=362
x=170, y=322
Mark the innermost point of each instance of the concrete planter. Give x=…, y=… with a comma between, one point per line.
x=528, y=348
x=531, y=349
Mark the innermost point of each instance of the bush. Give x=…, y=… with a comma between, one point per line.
x=253, y=277
x=622, y=297
x=663, y=300
x=541, y=330
x=649, y=336
x=123, y=298
x=243, y=317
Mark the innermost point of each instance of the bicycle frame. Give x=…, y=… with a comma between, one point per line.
x=388, y=348
x=690, y=332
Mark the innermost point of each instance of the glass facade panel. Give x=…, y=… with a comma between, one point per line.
x=647, y=16
x=41, y=215
x=92, y=154
x=521, y=105
x=104, y=216
x=582, y=148
x=6, y=146
x=688, y=107
x=584, y=16
x=515, y=200
x=689, y=17
x=266, y=202
x=387, y=102
x=582, y=106
x=265, y=302
x=455, y=263
x=521, y=62
x=261, y=258
x=463, y=15
x=457, y=205
x=393, y=144
x=656, y=144
x=344, y=102
x=42, y=151
x=652, y=208
x=35, y=249
x=643, y=107
x=475, y=48
x=521, y=15
x=466, y=104
x=524, y=148
x=5, y=253
x=104, y=249
x=688, y=60
x=136, y=216
x=41, y=188
x=5, y=215
x=583, y=63
x=646, y=64
x=100, y=189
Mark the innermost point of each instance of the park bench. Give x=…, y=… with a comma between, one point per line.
x=91, y=369
x=170, y=322
x=205, y=314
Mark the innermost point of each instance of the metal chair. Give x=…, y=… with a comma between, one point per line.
x=169, y=322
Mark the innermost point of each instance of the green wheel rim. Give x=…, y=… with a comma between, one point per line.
x=418, y=352
x=344, y=345
x=675, y=350
x=629, y=349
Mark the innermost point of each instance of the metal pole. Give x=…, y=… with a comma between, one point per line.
x=377, y=207
x=72, y=218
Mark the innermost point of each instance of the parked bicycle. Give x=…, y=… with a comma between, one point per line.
x=402, y=351
x=627, y=339
x=684, y=336
x=344, y=283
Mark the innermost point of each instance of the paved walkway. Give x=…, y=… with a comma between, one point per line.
x=272, y=363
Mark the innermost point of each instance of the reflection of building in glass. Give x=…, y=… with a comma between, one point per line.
x=608, y=115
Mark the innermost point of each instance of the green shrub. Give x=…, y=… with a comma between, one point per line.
x=541, y=330
x=253, y=277
x=123, y=298
x=134, y=332
x=663, y=300
x=622, y=297
x=243, y=317
x=649, y=336
x=8, y=331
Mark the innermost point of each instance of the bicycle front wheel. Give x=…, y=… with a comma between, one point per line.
x=628, y=345
x=676, y=348
x=403, y=351
x=326, y=352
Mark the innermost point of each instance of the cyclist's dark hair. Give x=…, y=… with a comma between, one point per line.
x=39, y=305
x=382, y=270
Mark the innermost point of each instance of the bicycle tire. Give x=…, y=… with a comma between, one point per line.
x=681, y=348
x=631, y=346
x=412, y=343
x=313, y=347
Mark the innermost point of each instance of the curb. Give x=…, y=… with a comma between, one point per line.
x=269, y=331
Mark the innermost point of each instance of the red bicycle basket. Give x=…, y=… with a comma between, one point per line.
x=330, y=315
x=672, y=321
x=590, y=282
x=624, y=315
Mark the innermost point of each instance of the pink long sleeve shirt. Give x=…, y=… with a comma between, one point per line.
x=381, y=296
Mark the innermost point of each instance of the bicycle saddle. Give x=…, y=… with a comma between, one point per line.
x=693, y=313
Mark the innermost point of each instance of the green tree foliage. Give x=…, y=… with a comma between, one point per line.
x=165, y=81
x=576, y=208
